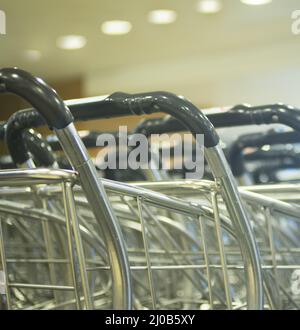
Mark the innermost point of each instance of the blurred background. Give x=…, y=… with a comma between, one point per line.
x=215, y=52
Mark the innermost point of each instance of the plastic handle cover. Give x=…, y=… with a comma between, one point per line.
x=184, y=111
x=15, y=127
x=39, y=148
x=122, y=104
x=256, y=140
x=125, y=104
x=27, y=143
x=268, y=114
x=41, y=96
x=239, y=115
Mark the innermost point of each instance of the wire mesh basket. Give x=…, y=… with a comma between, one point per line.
x=277, y=229
x=179, y=252
x=41, y=252
x=275, y=221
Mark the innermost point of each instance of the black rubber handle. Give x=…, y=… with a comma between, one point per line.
x=268, y=114
x=121, y=104
x=256, y=140
x=42, y=152
x=170, y=124
x=41, y=96
x=181, y=109
x=28, y=145
x=16, y=125
x=239, y=115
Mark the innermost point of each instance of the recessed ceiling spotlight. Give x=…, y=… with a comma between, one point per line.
x=71, y=42
x=116, y=27
x=32, y=55
x=209, y=6
x=162, y=16
x=256, y=2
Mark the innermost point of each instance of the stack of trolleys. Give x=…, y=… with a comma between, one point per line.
x=131, y=247
x=273, y=209
x=42, y=251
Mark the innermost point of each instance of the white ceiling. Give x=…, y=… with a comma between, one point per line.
x=203, y=57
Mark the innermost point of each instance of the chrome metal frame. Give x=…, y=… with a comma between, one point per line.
x=78, y=156
x=145, y=200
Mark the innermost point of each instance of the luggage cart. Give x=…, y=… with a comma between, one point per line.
x=56, y=114
x=271, y=208
x=196, y=269
x=275, y=223
x=276, y=226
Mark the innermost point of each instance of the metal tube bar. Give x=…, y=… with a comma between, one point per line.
x=95, y=193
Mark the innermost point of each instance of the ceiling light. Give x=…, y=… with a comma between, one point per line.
x=116, y=27
x=32, y=55
x=256, y=2
x=162, y=16
x=209, y=6
x=71, y=42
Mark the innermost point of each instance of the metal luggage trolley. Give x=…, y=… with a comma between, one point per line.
x=273, y=209
x=56, y=114
x=274, y=213
x=177, y=250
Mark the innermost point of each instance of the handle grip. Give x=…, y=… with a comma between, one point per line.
x=41, y=96
x=15, y=127
x=256, y=140
x=183, y=110
x=39, y=148
x=57, y=116
x=268, y=114
x=127, y=104
x=52, y=109
x=239, y=115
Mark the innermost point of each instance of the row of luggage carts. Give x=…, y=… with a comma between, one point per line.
x=75, y=237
